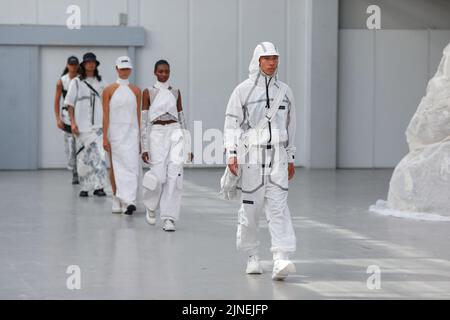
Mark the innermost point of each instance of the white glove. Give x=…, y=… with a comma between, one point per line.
x=228, y=185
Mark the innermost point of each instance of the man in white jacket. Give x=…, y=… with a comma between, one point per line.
x=268, y=162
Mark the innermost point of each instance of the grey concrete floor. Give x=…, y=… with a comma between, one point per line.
x=45, y=227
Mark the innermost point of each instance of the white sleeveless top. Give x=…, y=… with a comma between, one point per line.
x=163, y=100
x=123, y=105
x=65, y=81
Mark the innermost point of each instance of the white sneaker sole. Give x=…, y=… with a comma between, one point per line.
x=254, y=270
x=287, y=268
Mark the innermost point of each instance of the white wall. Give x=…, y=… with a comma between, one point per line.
x=397, y=14
x=53, y=12
x=383, y=76
x=209, y=44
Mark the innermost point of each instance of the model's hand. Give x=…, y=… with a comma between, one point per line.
x=233, y=165
x=145, y=157
x=75, y=129
x=60, y=124
x=291, y=170
x=106, y=145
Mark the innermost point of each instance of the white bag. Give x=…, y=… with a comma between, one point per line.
x=149, y=181
x=151, y=185
x=229, y=183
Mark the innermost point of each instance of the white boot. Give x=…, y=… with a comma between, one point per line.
x=116, y=205
x=282, y=268
x=150, y=216
x=253, y=265
x=168, y=225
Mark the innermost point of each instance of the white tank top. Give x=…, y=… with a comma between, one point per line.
x=123, y=105
x=162, y=101
x=65, y=81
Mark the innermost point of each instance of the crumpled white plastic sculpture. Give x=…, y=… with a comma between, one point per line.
x=420, y=184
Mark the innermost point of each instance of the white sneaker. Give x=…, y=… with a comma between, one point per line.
x=281, y=269
x=116, y=205
x=253, y=265
x=168, y=225
x=150, y=216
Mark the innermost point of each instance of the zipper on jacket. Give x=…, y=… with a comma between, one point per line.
x=268, y=106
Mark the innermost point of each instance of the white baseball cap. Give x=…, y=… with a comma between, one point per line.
x=124, y=62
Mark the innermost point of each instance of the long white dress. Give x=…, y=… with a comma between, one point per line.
x=124, y=141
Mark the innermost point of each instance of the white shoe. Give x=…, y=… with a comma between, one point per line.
x=253, y=265
x=150, y=216
x=168, y=225
x=116, y=205
x=282, y=268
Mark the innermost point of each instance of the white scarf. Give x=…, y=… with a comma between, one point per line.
x=123, y=81
x=162, y=85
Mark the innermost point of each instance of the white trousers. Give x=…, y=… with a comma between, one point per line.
x=166, y=164
x=265, y=189
x=70, y=148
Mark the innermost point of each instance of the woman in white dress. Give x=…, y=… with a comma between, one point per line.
x=121, y=121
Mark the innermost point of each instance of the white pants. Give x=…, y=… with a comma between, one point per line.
x=70, y=148
x=166, y=164
x=124, y=140
x=265, y=189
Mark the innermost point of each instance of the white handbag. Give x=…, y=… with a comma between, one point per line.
x=229, y=182
x=150, y=181
x=151, y=185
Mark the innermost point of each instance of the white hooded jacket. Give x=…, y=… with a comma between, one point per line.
x=248, y=105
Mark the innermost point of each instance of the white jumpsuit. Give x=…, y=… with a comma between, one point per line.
x=124, y=140
x=164, y=143
x=264, y=182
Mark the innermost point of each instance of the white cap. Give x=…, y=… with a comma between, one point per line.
x=124, y=62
